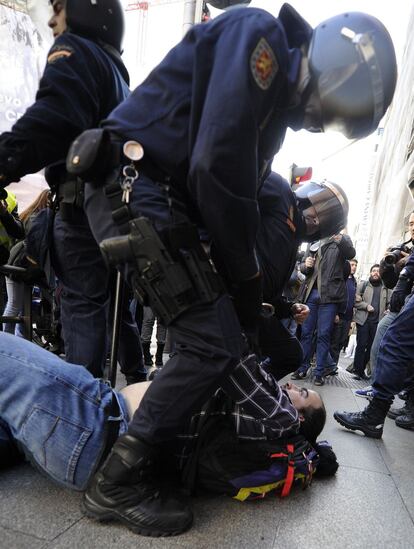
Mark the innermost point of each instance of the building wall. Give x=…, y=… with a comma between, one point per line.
x=391, y=203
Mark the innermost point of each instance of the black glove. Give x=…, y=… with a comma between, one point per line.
x=401, y=290
x=247, y=296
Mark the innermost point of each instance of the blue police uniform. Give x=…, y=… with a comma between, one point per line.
x=210, y=116
x=81, y=84
x=396, y=352
x=280, y=234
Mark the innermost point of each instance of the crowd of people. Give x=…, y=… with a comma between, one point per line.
x=171, y=185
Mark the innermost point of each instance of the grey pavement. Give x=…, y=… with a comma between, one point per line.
x=368, y=504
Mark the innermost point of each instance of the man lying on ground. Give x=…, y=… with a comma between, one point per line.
x=66, y=421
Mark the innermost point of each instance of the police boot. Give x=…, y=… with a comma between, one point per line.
x=406, y=420
x=146, y=351
x=158, y=356
x=370, y=421
x=123, y=490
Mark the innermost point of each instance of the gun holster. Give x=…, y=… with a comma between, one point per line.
x=172, y=272
x=70, y=196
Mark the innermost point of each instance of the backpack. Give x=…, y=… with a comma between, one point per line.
x=247, y=469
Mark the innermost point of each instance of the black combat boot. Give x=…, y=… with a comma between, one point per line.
x=158, y=356
x=370, y=421
x=395, y=411
x=123, y=490
x=406, y=419
x=147, y=355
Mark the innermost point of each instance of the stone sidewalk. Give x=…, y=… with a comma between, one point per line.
x=369, y=504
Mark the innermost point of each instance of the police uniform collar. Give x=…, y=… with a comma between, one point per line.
x=116, y=57
x=297, y=29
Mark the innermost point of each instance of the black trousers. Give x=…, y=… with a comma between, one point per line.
x=365, y=337
x=277, y=343
x=207, y=338
x=338, y=338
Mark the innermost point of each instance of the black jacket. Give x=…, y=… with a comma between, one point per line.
x=329, y=269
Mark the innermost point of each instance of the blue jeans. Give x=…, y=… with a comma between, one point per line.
x=395, y=359
x=55, y=411
x=383, y=326
x=321, y=317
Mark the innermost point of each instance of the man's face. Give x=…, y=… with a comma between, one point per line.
x=411, y=226
x=354, y=266
x=311, y=220
x=58, y=20
x=374, y=273
x=302, y=398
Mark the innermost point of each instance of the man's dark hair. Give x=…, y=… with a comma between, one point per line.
x=314, y=420
x=355, y=260
x=373, y=267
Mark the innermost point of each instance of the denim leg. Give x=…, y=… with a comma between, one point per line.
x=85, y=298
x=395, y=359
x=148, y=322
x=383, y=326
x=326, y=317
x=14, y=307
x=130, y=354
x=161, y=332
x=54, y=410
x=308, y=328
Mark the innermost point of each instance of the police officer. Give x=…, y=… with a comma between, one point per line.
x=83, y=81
x=284, y=225
x=196, y=139
x=394, y=363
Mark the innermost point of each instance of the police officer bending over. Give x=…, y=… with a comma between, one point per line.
x=83, y=81
x=287, y=218
x=193, y=157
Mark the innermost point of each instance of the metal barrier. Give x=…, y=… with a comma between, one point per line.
x=26, y=318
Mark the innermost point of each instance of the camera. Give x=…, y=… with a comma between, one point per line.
x=394, y=254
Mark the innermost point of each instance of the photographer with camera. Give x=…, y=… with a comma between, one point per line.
x=391, y=265
x=394, y=366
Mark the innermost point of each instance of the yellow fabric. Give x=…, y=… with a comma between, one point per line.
x=244, y=493
x=5, y=240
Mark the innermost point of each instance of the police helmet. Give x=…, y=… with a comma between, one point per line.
x=324, y=208
x=97, y=19
x=353, y=73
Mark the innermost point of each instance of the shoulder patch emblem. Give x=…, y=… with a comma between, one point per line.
x=59, y=52
x=289, y=220
x=263, y=64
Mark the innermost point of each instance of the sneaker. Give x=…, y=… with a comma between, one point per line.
x=319, y=380
x=299, y=374
x=368, y=392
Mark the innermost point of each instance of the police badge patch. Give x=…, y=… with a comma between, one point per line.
x=263, y=64
x=58, y=52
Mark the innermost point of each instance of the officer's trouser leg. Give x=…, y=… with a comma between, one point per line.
x=79, y=266
x=396, y=354
x=208, y=346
